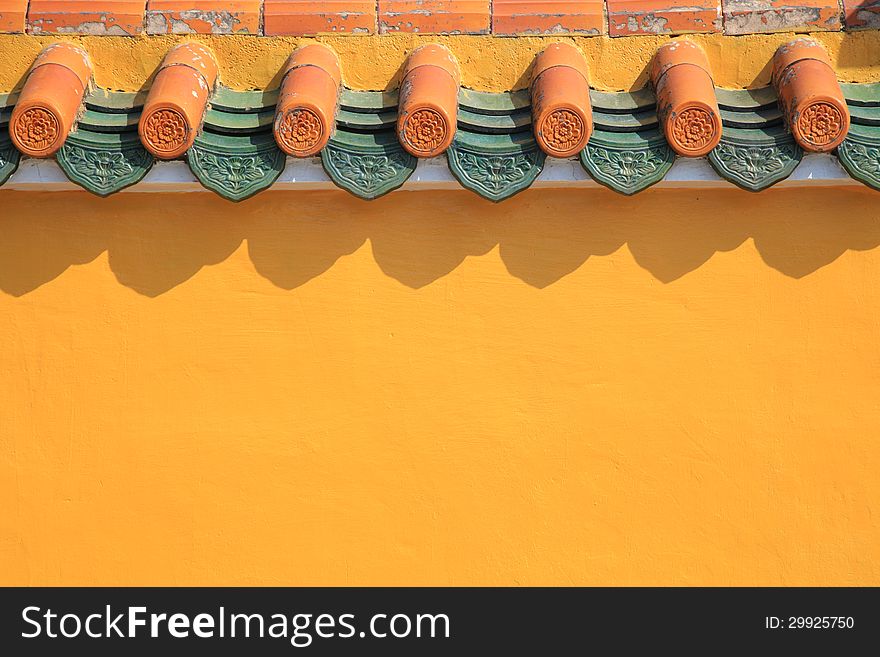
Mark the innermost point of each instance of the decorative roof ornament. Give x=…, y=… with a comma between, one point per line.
x=305, y=117
x=496, y=143
x=562, y=117
x=810, y=96
x=50, y=100
x=428, y=108
x=686, y=100
x=176, y=104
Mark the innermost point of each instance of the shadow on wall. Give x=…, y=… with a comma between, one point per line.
x=155, y=243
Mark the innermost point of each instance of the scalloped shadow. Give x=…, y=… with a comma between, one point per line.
x=154, y=243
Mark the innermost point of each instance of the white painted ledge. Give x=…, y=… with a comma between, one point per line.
x=433, y=174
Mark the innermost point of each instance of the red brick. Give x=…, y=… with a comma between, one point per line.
x=301, y=17
x=434, y=16
x=203, y=17
x=862, y=14
x=749, y=17
x=12, y=15
x=628, y=17
x=86, y=17
x=547, y=17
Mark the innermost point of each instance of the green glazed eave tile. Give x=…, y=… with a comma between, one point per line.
x=745, y=100
x=864, y=94
x=518, y=121
x=103, y=163
x=774, y=134
x=367, y=165
x=496, y=171
x=8, y=99
x=860, y=156
x=495, y=143
x=368, y=102
x=864, y=133
x=623, y=102
x=865, y=115
x=115, y=102
x=754, y=164
x=244, y=102
x=108, y=122
x=9, y=158
x=641, y=139
x=769, y=116
x=366, y=121
x=233, y=123
x=627, y=162
x=236, y=168
x=494, y=103
x=633, y=122
x=365, y=142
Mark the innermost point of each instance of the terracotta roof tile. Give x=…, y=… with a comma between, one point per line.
x=305, y=115
x=496, y=144
x=50, y=100
x=810, y=96
x=173, y=112
x=686, y=103
x=562, y=115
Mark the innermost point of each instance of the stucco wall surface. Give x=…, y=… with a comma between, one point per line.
x=570, y=387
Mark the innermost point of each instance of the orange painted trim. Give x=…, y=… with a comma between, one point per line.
x=50, y=100
x=428, y=106
x=176, y=104
x=92, y=17
x=686, y=103
x=13, y=16
x=303, y=17
x=434, y=16
x=305, y=116
x=810, y=95
x=562, y=115
x=204, y=16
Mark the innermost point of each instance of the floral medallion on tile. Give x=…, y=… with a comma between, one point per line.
x=104, y=163
x=627, y=162
x=9, y=158
x=860, y=151
x=495, y=166
x=368, y=165
x=755, y=159
x=235, y=167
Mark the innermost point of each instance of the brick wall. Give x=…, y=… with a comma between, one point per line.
x=502, y=17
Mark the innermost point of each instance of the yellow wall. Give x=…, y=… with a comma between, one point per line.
x=567, y=388
x=371, y=62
